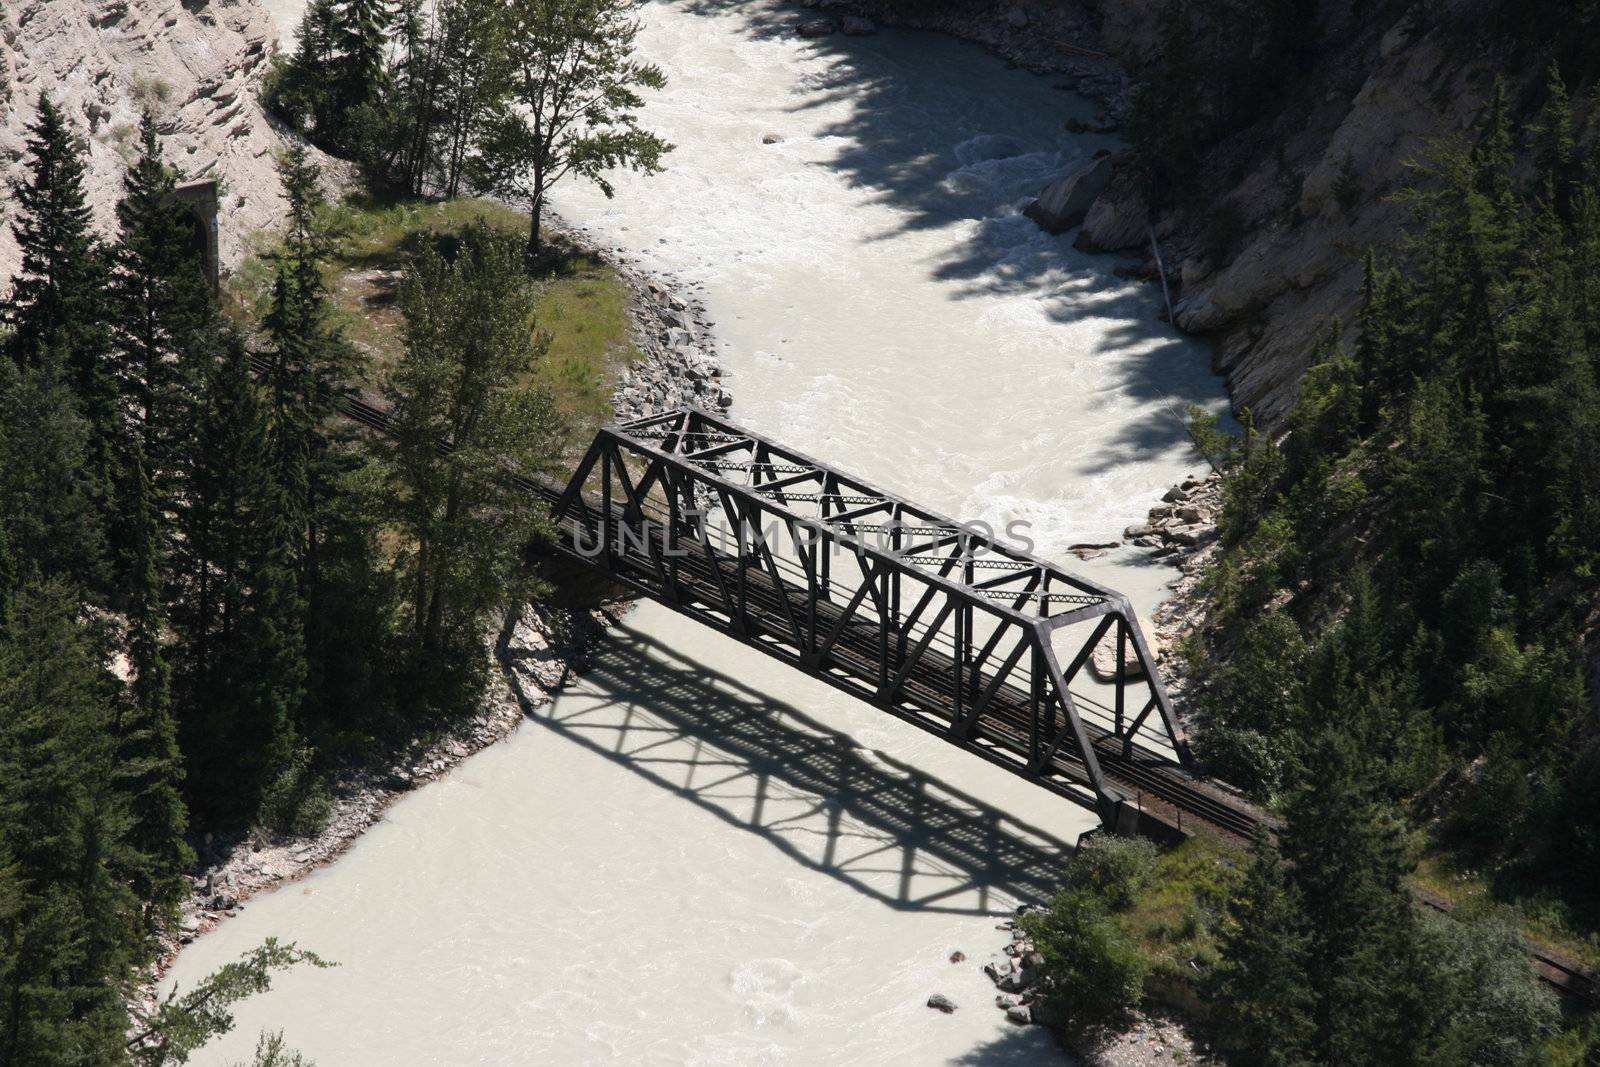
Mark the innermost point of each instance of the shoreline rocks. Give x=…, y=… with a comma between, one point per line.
x=1065, y=202
x=674, y=338
x=672, y=332
x=1151, y=1038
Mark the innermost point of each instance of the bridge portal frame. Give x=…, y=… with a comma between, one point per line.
x=636, y=508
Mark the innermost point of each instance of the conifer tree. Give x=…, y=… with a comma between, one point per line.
x=213, y=570
x=57, y=303
x=163, y=305
x=361, y=33
x=70, y=930
x=49, y=498
x=1261, y=990
x=1348, y=853
x=149, y=765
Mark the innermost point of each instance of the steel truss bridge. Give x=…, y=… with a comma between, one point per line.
x=930, y=620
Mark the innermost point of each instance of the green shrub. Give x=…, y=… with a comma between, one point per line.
x=1093, y=972
x=1113, y=869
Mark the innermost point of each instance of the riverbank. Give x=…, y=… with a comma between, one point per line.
x=672, y=363
x=793, y=867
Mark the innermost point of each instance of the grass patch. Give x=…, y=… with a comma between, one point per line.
x=1174, y=917
x=583, y=309
x=582, y=304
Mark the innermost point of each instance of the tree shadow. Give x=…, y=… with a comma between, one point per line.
x=1018, y=1047
x=952, y=140
x=876, y=824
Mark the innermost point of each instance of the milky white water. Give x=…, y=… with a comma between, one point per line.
x=698, y=855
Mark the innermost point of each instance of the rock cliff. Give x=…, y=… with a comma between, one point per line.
x=1274, y=252
x=1271, y=249
x=196, y=63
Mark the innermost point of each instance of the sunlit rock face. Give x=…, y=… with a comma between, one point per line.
x=197, y=65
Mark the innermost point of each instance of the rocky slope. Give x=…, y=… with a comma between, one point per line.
x=1269, y=260
x=196, y=63
x=1273, y=250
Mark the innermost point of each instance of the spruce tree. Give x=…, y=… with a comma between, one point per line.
x=49, y=498
x=70, y=933
x=212, y=569
x=149, y=765
x=1347, y=850
x=361, y=36
x=163, y=305
x=57, y=305
x=1261, y=991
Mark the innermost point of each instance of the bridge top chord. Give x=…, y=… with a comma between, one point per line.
x=824, y=498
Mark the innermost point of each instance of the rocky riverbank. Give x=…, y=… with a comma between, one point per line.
x=1152, y=1039
x=1181, y=531
x=677, y=367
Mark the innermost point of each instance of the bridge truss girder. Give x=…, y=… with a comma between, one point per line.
x=933, y=621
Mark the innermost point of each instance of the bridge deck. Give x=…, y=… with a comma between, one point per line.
x=1164, y=789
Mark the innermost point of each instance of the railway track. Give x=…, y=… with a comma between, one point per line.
x=1163, y=790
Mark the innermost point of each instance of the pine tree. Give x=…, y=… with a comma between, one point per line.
x=1555, y=147
x=49, y=499
x=149, y=765
x=57, y=303
x=1261, y=991
x=212, y=572
x=163, y=306
x=361, y=34
x=1347, y=851
x=70, y=928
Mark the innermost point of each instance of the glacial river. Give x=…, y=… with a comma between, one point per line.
x=697, y=855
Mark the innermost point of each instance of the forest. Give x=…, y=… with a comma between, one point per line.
x=213, y=591
x=1400, y=620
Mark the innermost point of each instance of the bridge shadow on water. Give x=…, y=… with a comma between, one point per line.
x=876, y=824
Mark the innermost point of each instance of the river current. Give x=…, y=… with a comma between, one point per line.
x=697, y=855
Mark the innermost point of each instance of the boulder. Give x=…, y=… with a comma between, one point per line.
x=998, y=970
x=1175, y=495
x=1118, y=219
x=1103, y=661
x=940, y=1002
x=1046, y=1015
x=1063, y=203
x=958, y=956
x=816, y=28
x=772, y=138
x=1017, y=981
x=856, y=26
x=1016, y=18
x=1020, y=1013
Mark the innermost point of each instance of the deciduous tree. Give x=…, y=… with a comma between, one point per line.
x=572, y=106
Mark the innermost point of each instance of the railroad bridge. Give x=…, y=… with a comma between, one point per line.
x=936, y=622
